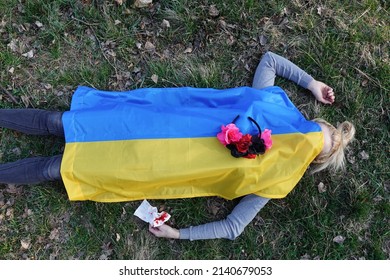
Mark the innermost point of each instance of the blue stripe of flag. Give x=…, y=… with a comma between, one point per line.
x=158, y=113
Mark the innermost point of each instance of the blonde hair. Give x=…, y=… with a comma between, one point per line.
x=341, y=137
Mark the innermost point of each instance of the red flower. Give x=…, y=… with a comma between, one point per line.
x=266, y=136
x=229, y=134
x=244, y=143
x=247, y=146
x=250, y=156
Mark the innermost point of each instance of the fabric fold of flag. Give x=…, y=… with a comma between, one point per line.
x=160, y=143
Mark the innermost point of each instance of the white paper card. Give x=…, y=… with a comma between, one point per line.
x=149, y=214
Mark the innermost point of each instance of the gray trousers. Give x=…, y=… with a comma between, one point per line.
x=35, y=169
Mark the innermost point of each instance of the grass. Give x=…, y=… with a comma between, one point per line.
x=95, y=43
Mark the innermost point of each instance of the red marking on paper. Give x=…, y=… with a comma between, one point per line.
x=164, y=217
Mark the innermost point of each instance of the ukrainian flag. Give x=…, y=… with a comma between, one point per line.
x=160, y=143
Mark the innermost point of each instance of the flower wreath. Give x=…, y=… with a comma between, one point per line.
x=247, y=146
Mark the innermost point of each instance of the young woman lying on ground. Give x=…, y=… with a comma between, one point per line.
x=185, y=142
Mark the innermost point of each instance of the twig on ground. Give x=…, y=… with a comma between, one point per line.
x=13, y=99
x=369, y=78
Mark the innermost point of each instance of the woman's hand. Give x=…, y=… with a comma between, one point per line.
x=165, y=231
x=321, y=91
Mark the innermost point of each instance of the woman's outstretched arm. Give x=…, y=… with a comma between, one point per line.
x=229, y=228
x=272, y=65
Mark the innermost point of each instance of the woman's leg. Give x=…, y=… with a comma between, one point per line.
x=32, y=121
x=272, y=65
x=31, y=170
x=36, y=169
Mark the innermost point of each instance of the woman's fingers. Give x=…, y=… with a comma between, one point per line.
x=164, y=231
x=329, y=94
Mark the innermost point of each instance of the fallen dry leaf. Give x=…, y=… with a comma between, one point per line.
x=17, y=151
x=142, y=3
x=258, y=221
x=351, y=159
x=27, y=213
x=136, y=70
x=29, y=54
x=263, y=40
x=149, y=46
x=154, y=78
x=319, y=10
x=214, y=209
x=119, y=2
x=386, y=186
x=25, y=244
x=339, y=239
x=230, y=41
x=321, y=187
x=47, y=86
x=213, y=11
x=214, y=206
x=165, y=24
x=26, y=100
x=39, y=24
x=106, y=251
x=11, y=188
x=13, y=45
x=188, y=50
x=54, y=234
x=364, y=155
x=110, y=53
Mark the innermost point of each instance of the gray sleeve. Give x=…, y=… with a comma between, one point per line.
x=232, y=226
x=272, y=65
